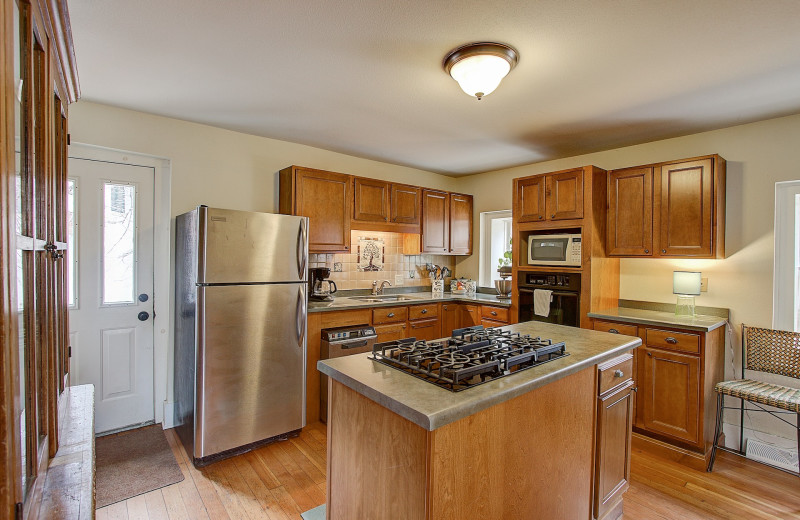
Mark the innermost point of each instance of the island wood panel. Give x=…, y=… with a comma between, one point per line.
x=564, y=192
x=435, y=221
x=371, y=200
x=377, y=460
x=460, y=224
x=502, y=462
x=316, y=322
x=613, y=463
x=630, y=212
x=405, y=203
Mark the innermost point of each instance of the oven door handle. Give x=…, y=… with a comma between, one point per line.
x=557, y=293
x=353, y=344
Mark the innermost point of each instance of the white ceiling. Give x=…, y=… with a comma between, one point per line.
x=365, y=77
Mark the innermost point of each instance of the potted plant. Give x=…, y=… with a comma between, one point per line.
x=504, y=267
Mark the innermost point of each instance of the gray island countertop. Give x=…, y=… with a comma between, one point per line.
x=431, y=407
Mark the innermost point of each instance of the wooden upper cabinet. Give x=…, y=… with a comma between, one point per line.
x=371, y=201
x=326, y=198
x=435, y=221
x=530, y=199
x=405, y=204
x=686, y=208
x=630, y=212
x=564, y=195
x=460, y=224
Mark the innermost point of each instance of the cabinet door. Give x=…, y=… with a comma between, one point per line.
x=565, y=195
x=469, y=316
x=530, y=199
x=685, y=210
x=425, y=329
x=449, y=319
x=630, y=212
x=390, y=332
x=435, y=221
x=405, y=204
x=460, y=224
x=671, y=393
x=326, y=199
x=488, y=324
x=613, y=459
x=371, y=200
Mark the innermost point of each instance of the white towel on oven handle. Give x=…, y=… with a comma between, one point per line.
x=541, y=302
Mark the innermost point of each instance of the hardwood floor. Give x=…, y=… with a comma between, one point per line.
x=279, y=481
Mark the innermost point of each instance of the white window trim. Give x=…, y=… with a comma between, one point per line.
x=786, y=250
x=485, y=261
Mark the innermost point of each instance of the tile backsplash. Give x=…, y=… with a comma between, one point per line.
x=411, y=267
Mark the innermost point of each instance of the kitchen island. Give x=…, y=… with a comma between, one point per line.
x=523, y=446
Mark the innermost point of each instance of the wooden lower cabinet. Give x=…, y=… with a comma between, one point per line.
x=450, y=313
x=469, y=316
x=670, y=393
x=428, y=329
x=391, y=331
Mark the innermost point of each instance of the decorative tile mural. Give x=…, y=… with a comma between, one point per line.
x=371, y=254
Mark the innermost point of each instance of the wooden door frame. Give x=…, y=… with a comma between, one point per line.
x=163, y=274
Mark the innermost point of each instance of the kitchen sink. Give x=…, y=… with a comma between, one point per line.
x=379, y=298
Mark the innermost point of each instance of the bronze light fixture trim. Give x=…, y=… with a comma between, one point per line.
x=479, y=67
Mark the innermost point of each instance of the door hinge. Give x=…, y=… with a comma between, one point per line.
x=69, y=351
x=18, y=511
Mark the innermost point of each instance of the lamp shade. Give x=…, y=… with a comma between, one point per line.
x=686, y=282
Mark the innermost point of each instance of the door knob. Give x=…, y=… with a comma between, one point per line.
x=143, y=316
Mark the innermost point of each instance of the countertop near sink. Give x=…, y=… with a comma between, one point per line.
x=340, y=303
x=431, y=407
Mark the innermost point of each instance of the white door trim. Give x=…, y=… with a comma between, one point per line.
x=162, y=279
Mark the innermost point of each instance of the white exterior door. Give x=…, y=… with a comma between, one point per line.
x=111, y=317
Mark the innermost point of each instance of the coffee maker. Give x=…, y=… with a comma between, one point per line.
x=321, y=288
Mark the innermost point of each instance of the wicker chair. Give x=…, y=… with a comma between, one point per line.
x=763, y=350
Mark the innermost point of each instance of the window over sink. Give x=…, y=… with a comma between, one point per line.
x=786, y=291
x=495, y=242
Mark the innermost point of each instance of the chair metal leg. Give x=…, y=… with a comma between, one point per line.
x=741, y=427
x=717, y=427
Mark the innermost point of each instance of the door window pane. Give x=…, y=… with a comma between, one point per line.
x=119, y=242
x=72, y=252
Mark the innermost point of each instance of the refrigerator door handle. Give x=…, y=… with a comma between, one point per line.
x=301, y=316
x=302, y=250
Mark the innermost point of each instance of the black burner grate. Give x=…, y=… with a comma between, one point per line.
x=471, y=357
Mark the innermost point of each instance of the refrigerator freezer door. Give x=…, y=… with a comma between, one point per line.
x=251, y=364
x=248, y=247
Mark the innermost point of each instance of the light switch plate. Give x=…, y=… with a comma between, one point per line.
x=703, y=284
x=398, y=279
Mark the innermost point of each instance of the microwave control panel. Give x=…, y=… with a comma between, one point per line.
x=575, y=252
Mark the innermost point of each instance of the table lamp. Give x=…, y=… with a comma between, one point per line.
x=686, y=284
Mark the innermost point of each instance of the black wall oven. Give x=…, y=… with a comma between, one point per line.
x=564, y=305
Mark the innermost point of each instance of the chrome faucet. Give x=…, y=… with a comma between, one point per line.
x=376, y=290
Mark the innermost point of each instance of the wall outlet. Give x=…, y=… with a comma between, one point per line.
x=703, y=284
x=398, y=279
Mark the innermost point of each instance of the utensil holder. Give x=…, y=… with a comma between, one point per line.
x=437, y=288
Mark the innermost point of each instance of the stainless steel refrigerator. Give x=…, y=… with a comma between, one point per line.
x=240, y=329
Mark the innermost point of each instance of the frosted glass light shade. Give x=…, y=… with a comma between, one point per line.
x=479, y=75
x=686, y=282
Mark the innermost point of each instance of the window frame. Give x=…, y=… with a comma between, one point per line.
x=786, y=291
x=486, y=264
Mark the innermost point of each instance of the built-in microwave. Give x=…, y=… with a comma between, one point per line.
x=562, y=249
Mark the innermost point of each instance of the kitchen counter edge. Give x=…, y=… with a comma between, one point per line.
x=344, y=303
x=700, y=323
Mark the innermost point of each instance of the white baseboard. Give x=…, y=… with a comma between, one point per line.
x=169, y=415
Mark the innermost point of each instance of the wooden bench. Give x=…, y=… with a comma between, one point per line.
x=69, y=487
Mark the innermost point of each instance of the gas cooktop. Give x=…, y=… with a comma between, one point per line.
x=471, y=357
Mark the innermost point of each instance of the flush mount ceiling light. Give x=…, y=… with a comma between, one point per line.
x=480, y=67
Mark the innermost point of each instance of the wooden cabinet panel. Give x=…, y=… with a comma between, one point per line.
x=371, y=202
x=391, y=331
x=671, y=340
x=612, y=460
x=326, y=199
x=488, y=324
x=405, y=204
x=565, y=195
x=686, y=208
x=469, y=316
x=614, y=373
x=530, y=199
x=630, y=212
x=460, y=224
x=615, y=328
x=419, y=312
x=494, y=313
x=450, y=312
x=671, y=393
x=425, y=329
x=435, y=221
x=389, y=315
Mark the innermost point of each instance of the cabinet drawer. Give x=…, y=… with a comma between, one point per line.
x=494, y=313
x=488, y=324
x=389, y=315
x=615, y=328
x=671, y=340
x=425, y=329
x=614, y=372
x=419, y=312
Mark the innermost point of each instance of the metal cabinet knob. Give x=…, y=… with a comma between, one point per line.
x=494, y=313
x=671, y=341
x=618, y=373
x=553, y=215
x=613, y=331
x=663, y=250
x=541, y=217
x=650, y=354
x=390, y=315
x=424, y=311
x=647, y=251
